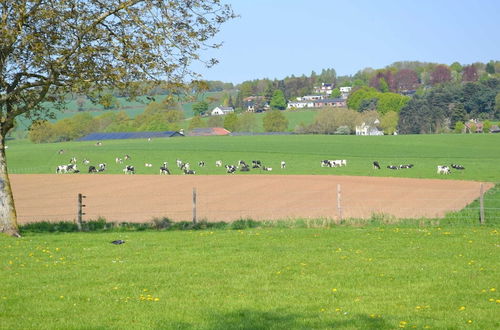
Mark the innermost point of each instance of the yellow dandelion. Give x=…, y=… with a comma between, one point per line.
x=145, y=290
x=157, y=299
x=61, y=297
x=322, y=309
x=491, y=300
x=497, y=301
x=334, y=290
x=469, y=321
x=493, y=289
x=461, y=308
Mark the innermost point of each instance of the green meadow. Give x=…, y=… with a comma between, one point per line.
x=271, y=278
x=478, y=153
x=296, y=275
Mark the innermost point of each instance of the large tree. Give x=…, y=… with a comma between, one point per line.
x=49, y=48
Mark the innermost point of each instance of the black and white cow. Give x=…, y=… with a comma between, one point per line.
x=256, y=164
x=392, y=167
x=268, y=169
x=443, y=169
x=245, y=168
x=230, y=169
x=457, y=167
x=129, y=169
x=66, y=168
x=201, y=163
x=218, y=163
x=92, y=169
x=101, y=167
x=283, y=164
x=406, y=166
x=164, y=170
x=376, y=165
x=186, y=171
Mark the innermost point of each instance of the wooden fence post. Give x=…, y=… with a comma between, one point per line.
x=339, y=207
x=80, y=212
x=194, y=206
x=481, y=204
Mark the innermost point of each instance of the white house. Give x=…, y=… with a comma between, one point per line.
x=220, y=111
x=310, y=97
x=300, y=104
x=324, y=89
x=366, y=129
x=345, y=91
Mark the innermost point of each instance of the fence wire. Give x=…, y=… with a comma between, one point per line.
x=275, y=204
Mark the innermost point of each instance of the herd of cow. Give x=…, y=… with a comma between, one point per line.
x=441, y=169
x=241, y=166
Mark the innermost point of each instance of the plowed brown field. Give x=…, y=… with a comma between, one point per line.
x=139, y=198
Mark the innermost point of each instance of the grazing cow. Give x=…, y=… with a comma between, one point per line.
x=325, y=163
x=230, y=169
x=72, y=160
x=392, y=167
x=443, y=169
x=218, y=163
x=72, y=168
x=201, y=163
x=148, y=165
x=457, y=167
x=189, y=171
x=127, y=157
x=61, y=151
x=179, y=163
x=98, y=144
x=257, y=162
x=185, y=167
x=86, y=161
x=92, y=169
x=242, y=163
x=129, y=169
x=406, y=166
x=269, y=169
x=165, y=164
x=245, y=168
x=164, y=170
x=118, y=160
x=376, y=165
x=101, y=167
x=62, y=169
x=283, y=164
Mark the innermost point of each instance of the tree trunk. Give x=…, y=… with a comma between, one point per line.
x=8, y=216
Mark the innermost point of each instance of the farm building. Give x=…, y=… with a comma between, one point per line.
x=129, y=135
x=209, y=131
x=220, y=111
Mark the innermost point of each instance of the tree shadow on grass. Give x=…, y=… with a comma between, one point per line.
x=246, y=319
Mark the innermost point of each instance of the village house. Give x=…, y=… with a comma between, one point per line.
x=324, y=89
x=220, y=111
x=345, y=91
x=317, y=103
x=256, y=103
x=336, y=103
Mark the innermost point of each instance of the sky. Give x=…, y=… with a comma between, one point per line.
x=278, y=38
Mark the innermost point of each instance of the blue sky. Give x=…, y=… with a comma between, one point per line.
x=278, y=38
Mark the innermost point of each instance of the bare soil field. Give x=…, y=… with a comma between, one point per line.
x=140, y=198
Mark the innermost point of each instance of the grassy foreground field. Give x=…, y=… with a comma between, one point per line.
x=303, y=153
x=271, y=278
